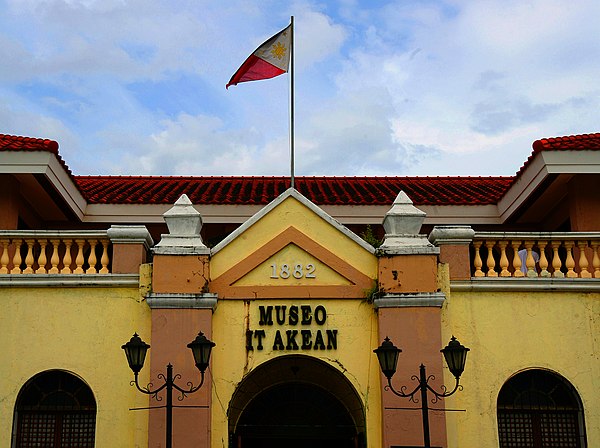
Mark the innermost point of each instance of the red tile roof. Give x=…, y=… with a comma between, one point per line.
x=321, y=190
x=249, y=190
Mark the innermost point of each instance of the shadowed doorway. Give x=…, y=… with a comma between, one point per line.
x=296, y=401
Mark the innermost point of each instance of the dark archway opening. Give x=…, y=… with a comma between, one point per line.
x=296, y=401
x=540, y=409
x=55, y=409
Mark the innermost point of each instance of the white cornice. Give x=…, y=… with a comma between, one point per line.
x=238, y=214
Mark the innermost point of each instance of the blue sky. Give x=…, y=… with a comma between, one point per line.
x=395, y=87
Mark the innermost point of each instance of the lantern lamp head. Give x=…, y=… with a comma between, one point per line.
x=201, y=348
x=456, y=356
x=387, y=354
x=135, y=350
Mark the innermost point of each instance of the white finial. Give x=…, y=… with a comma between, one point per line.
x=402, y=224
x=184, y=223
x=403, y=218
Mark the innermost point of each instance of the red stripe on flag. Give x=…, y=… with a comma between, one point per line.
x=253, y=69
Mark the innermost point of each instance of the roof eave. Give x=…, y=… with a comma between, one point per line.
x=543, y=165
x=46, y=164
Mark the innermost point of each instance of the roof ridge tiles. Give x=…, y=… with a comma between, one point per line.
x=17, y=142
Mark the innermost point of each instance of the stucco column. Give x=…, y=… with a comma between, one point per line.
x=454, y=243
x=181, y=307
x=130, y=245
x=409, y=313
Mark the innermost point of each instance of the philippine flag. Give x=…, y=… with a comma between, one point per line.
x=271, y=59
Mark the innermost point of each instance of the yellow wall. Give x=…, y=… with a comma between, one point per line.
x=508, y=332
x=357, y=335
x=79, y=330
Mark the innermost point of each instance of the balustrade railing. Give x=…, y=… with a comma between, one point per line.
x=555, y=255
x=55, y=252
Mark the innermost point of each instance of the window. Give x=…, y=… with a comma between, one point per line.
x=540, y=409
x=55, y=409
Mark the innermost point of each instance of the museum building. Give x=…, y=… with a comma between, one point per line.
x=297, y=295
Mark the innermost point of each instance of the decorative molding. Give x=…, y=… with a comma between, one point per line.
x=417, y=299
x=180, y=245
x=406, y=245
x=69, y=280
x=443, y=235
x=136, y=234
x=182, y=300
x=497, y=284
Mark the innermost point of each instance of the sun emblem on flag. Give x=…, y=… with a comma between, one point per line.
x=278, y=50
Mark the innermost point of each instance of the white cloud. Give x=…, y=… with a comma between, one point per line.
x=321, y=38
x=402, y=87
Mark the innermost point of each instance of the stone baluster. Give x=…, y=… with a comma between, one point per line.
x=42, y=259
x=16, y=261
x=79, y=257
x=503, y=258
x=92, y=258
x=54, y=258
x=530, y=261
x=543, y=259
x=570, y=261
x=583, y=261
x=67, y=259
x=4, y=259
x=596, y=259
x=516, y=259
x=491, y=263
x=556, y=262
x=477, y=262
x=104, y=258
x=29, y=257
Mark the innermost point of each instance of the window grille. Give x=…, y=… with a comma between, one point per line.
x=539, y=409
x=55, y=410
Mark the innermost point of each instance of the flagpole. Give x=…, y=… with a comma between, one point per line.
x=292, y=180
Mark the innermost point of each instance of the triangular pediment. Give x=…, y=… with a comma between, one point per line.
x=292, y=248
x=292, y=266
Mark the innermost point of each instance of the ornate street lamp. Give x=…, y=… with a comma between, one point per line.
x=136, y=349
x=456, y=356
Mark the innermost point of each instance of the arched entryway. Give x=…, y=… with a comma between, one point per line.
x=55, y=409
x=540, y=409
x=296, y=401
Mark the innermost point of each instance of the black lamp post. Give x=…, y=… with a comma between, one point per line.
x=456, y=357
x=136, y=349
